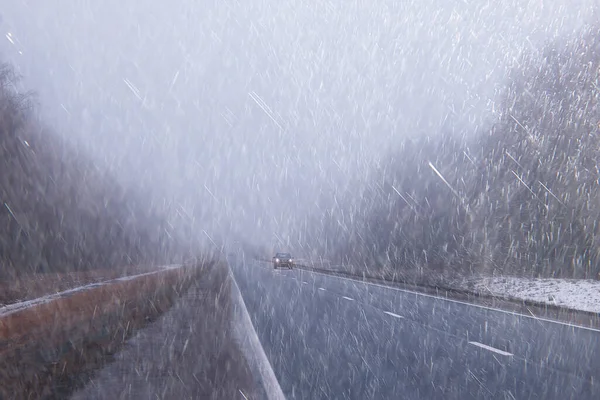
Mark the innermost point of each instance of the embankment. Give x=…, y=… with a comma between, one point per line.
x=204, y=347
x=48, y=345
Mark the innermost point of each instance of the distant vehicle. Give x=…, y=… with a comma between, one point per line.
x=283, y=260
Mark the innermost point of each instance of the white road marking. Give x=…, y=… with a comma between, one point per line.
x=490, y=348
x=393, y=315
x=305, y=283
x=244, y=332
x=321, y=288
x=347, y=298
x=464, y=303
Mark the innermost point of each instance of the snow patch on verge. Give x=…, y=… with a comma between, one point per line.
x=576, y=294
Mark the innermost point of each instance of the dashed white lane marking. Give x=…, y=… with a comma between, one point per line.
x=393, y=315
x=348, y=298
x=305, y=283
x=321, y=288
x=490, y=348
x=516, y=314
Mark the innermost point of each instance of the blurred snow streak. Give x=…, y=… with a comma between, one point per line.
x=325, y=127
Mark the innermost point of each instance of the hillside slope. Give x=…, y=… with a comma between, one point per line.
x=59, y=211
x=519, y=198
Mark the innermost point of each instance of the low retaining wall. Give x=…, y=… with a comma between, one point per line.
x=48, y=344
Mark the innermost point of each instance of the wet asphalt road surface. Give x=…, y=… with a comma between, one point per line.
x=333, y=338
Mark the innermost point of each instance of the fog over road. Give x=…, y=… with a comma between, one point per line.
x=263, y=115
x=329, y=337
x=256, y=120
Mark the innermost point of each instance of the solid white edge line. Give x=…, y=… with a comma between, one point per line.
x=348, y=298
x=247, y=338
x=393, y=314
x=463, y=303
x=490, y=348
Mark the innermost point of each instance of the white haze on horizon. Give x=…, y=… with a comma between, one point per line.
x=253, y=116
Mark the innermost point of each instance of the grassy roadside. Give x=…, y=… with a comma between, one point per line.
x=189, y=352
x=66, y=222
x=33, y=285
x=50, y=349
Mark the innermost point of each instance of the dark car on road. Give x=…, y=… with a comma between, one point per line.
x=283, y=260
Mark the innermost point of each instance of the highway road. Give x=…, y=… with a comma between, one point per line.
x=334, y=338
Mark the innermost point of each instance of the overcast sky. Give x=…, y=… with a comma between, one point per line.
x=251, y=111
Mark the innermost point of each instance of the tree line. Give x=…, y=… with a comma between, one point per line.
x=61, y=212
x=520, y=198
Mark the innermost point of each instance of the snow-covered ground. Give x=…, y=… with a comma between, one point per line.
x=575, y=294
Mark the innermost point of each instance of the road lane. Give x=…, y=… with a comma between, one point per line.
x=505, y=330
x=387, y=343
